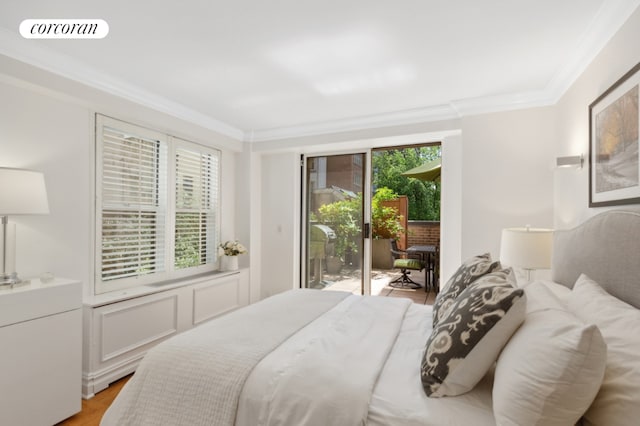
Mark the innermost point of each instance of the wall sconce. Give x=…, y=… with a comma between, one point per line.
x=575, y=161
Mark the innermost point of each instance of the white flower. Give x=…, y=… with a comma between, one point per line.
x=231, y=248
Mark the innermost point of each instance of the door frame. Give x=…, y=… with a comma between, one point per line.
x=366, y=210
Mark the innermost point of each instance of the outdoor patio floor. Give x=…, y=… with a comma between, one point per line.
x=350, y=281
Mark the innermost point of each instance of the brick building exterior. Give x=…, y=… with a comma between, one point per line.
x=423, y=233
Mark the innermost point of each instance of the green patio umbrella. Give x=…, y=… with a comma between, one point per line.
x=428, y=171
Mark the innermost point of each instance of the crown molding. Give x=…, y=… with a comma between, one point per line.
x=609, y=19
x=506, y=102
x=32, y=53
x=397, y=118
x=606, y=23
x=455, y=109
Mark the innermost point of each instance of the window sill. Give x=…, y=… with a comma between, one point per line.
x=108, y=298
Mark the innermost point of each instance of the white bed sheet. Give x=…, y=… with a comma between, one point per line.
x=325, y=374
x=398, y=398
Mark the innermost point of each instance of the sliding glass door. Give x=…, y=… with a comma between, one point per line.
x=334, y=227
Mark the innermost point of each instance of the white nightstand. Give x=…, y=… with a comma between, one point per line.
x=40, y=352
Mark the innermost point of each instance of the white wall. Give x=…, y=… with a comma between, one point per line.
x=507, y=176
x=47, y=124
x=44, y=134
x=451, y=206
x=571, y=187
x=507, y=169
x=248, y=199
x=280, y=222
x=496, y=179
x=500, y=171
x=279, y=213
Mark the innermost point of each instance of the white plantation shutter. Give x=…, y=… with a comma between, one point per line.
x=157, y=206
x=133, y=213
x=196, y=203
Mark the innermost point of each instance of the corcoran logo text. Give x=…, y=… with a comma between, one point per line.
x=64, y=28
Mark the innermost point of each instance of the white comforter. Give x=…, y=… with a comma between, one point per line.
x=304, y=357
x=195, y=378
x=326, y=373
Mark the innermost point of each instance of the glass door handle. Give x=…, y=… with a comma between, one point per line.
x=366, y=231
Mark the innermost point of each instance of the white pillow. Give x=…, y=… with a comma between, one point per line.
x=561, y=292
x=551, y=369
x=618, y=401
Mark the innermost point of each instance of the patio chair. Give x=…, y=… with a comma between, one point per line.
x=406, y=264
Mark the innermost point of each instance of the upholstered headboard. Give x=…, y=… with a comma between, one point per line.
x=607, y=249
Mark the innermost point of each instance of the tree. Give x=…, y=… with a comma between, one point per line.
x=424, y=197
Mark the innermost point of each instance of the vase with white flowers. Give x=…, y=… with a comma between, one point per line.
x=228, y=252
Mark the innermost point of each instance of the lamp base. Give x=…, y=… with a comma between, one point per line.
x=528, y=274
x=10, y=280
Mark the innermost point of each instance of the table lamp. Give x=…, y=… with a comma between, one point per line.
x=527, y=248
x=22, y=192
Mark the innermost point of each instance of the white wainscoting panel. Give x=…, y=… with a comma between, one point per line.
x=215, y=298
x=120, y=328
x=129, y=325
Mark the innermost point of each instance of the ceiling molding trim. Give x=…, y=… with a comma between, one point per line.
x=28, y=51
x=349, y=144
x=456, y=109
x=412, y=116
x=498, y=103
x=607, y=22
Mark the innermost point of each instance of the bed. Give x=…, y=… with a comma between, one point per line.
x=306, y=357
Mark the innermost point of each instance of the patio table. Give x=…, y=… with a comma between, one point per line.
x=428, y=254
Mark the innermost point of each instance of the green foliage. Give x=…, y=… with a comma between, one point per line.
x=345, y=218
x=385, y=221
x=187, y=252
x=189, y=249
x=424, y=197
x=384, y=194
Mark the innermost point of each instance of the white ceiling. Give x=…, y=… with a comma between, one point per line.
x=259, y=70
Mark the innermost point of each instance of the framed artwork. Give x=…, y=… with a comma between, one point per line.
x=614, y=154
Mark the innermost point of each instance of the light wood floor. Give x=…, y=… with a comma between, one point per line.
x=93, y=409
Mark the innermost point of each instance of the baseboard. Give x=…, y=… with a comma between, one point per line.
x=100, y=380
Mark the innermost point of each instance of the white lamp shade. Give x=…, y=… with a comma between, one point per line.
x=527, y=248
x=22, y=192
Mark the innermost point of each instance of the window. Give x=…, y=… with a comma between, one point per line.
x=357, y=179
x=196, y=196
x=157, y=206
